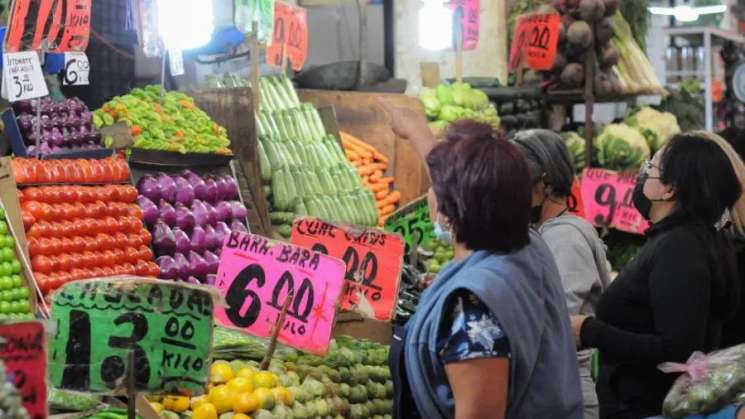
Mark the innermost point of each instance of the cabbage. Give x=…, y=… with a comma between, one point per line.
x=576, y=146
x=656, y=127
x=621, y=147
x=431, y=103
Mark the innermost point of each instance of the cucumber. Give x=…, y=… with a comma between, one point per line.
x=280, y=196
x=264, y=163
x=281, y=217
x=327, y=184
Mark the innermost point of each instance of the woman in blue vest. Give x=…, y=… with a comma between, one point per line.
x=491, y=336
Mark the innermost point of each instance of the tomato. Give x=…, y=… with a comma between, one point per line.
x=154, y=269
x=79, y=210
x=130, y=224
x=64, y=262
x=67, y=228
x=68, y=245
x=87, y=172
x=107, y=271
x=33, y=169
x=68, y=172
x=77, y=273
x=108, y=170
x=21, y=196
x=135, y=211
x=134, y=240
x=122, y=170
x=78, y=244
x=97, y=272
x=119, y=256
x=107, y=258
x=55, y=246
x=44, y=174
x=86, y=194
x=128, y=193
x=19, y=171
x=131, y=255
x=55, y=230
x=104, y=242
x=39, y=229
x=52, y=195
x=144, y=253
x=112, y=224
x=28, y=220
x=91, y=244
x=98, y=171
x=92, y=226
x=147, y=238
x=34, y=208
x=33, y=246
x=125, y=210
x=48, y=212
x=56, y=212
x=41, y=264
x=128, y=269
x=69, y=194
x=32, y=194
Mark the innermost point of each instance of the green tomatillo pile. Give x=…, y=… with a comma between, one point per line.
x=450, y=103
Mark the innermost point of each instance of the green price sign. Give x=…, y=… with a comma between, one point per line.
x=412, y=222
x=167, y=326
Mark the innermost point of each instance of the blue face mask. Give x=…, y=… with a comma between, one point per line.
x=445, y=236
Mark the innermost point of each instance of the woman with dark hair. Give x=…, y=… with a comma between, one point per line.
x=491, y=336
x=675, y=296
x=577, y=249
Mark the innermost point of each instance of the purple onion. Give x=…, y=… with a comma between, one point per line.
x=193, y=281
x=210, y=191
x=149, y=209
x=212, y=239
x=199, y=210
x=167, y=213
x=227, y=189
x=239, y=211
x=167, y=187
x=184, y=191
x=222, y=230
x=211, y=280
x=211, y=214
x=57, y=138
x=182, y=263
x=238, y=226
x=198, y=239
x=184, y=219
x=148, y=187
x=168, y=268
x=192, y=177
x=23, y=106
x=197, y=265
x=224, y=211
x=164, y=241
x=183, y=244
x=25, y=123
x=212, y=260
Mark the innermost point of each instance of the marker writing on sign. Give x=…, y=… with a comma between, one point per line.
x=302, y=258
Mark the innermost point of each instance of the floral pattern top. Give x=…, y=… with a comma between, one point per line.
x=474, y=331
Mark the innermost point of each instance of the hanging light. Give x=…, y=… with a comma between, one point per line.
x=686, y=13
x=435, y=26
x=185, y=24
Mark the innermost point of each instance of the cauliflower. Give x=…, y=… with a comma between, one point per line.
x=621, y=147
x=656, y=127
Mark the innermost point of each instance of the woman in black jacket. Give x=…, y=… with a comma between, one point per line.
x=675, y=296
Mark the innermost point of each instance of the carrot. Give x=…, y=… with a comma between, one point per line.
x=388, y=209
x=387, y=180
x=369, y=169
x=359, y=150
x=377, y=187
x=381, y=194
x=376, y=176
x=357, y=142
x=365, y=180
x=391, y=199
x=352, y=155
x=357, y=163
x=380, y=157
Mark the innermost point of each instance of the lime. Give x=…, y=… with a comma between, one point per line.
x=6, y=282
x=6, y=241
x=10, y=241
x=7, y=254
x=5, y=269
x=15, y=294
x=24, y=306
x=17, y=281
x=6, y=295
x=2, y=214
x=15, y=266
x=5, y=307
x=3, y=228
x=23, y=293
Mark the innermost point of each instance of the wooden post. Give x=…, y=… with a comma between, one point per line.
x=362, y=6
x=430, y=74
x=255, y=69
x=589, y=104
x=275, y=332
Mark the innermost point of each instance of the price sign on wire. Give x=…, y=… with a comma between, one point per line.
x=576, y=203
x=167, y=325
x=22, y=76
x=176, y=59
x=256, y=276
x=470, y=18
x=290, y=36
x=412, y=223
x=23, y=351
x=373, y=260
x=607, y=197
x=535, y=41
x=64, y=24
x=77, y=69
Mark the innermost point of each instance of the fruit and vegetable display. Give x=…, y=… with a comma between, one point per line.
x=63, y=126
x=352, y=381
x=709, y=383
x=446, y=104
x=79, y=232
x=304, y=169
x=621, y=147
x=78, y=171
x=656, y=127
x=372, y=166
x=174, y=124
x=597, y=26
x=189, y=217
x=11, y=404
x=14, y=294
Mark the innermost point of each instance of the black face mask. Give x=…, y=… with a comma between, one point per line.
x=641, y=202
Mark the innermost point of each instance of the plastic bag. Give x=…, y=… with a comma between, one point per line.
x=709, y=382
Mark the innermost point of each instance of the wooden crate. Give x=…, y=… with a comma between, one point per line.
x=233, y=109
x=359, y=114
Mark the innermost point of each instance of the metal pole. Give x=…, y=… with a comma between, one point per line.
x=707, y=81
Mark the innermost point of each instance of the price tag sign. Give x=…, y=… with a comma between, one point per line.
x=470, y=12
x=77, y=69
x=290, y=34
x=65, y=25
x=535, y=41
x=373, y=262
x=176, y=58
x=23, y=351
x=256, y=276
x=167, y=325
x=22, y=76
x=412, y=223
x=608, y=201
x=576, y=203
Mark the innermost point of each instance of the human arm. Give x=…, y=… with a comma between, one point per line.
x=679, y=294
x=411, y=126
x=479, y=387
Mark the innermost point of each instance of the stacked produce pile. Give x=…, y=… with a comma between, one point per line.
x=189, y=217
x=78, y=232
x=656, y=127
x=175, y=124
x=80, y=171
x=449, y=103
x=439, y=254
x=596, y=25
x=14, y=295
x=303, y=167
x=11, y=406
x=371, y=166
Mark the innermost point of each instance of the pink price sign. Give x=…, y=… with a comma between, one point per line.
x=607, y=197
x=470, y=12
x=256, y=276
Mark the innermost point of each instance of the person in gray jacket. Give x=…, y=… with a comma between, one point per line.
x=573, y=241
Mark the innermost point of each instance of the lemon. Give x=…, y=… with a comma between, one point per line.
x=221, y=372
x=264, y=379
x=157, y=407
x=283, y=395
x=198, y=401
x=246, y=373
x=240, y=385
x=245, y=403
x=222, y=398
x=204, y=411
x=177, y=404
x=266, y=398
x=241, y=416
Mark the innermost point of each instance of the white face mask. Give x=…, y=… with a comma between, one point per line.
x=441, y=234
